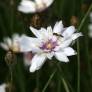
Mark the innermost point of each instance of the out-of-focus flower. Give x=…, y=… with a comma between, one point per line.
x=30, y=6
x=49, y=43
x=3, y=87
x=90, y=17
x=74, y=21
x=90, y=30
x=27, y=58
x=90, y=26
x=11, y=44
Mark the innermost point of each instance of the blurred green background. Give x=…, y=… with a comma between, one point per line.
x=71, y=12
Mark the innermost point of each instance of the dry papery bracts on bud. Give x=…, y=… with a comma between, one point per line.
x=10, y=58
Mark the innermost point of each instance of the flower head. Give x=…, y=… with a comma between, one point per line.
x=90, y=26
x=3, y=87
x=11, y=44
x=30, y=6
x=49, y=43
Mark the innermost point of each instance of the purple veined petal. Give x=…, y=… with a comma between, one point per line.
x=61, y=56
x=68, y=32
x=27, y=6
x=69, y=51
x=37, y=61
x=58, y=28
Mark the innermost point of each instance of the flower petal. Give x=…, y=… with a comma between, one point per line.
x=69, y=51
x=68, y=32
x=61, y=56
x=65, y=43
x=50, y=55
x=27, y=6
x=36, y=32
x=37, y=62
x=58, y=28
x=27, y=58
x=48, y=2
x=4, y=46
x=90, y=30
x=28, y=44
x=9, y=42
x=49, y=32
x=42, y=33
x=3, y=87
x=76, y=35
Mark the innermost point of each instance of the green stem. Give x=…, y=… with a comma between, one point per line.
x=12, y=15
x=51, y=76
x=11, y=78
x=59, y=83
x=66, y=84
x=88, y=57
x=78, y=48
x=37, y=80
x=84, y=18
x=78, y=63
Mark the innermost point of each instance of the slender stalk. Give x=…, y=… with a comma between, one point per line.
x=37, y=80
x=84, y=18
x=11, y=16
x=78, y=48
x=11, y=78
x=59, y=83
x=65, y=85
x=50, y=78
x=63, y=78
x=78, y=63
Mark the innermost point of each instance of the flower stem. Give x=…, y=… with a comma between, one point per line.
x=78, y=48
x=37, y=80
x=84, y=18
x=65, y=83
x=51, y=76
x=59, y=83
x=11, y=78
x=11, y=15
x=78, y=63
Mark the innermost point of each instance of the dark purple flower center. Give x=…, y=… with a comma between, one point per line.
x=49, y=45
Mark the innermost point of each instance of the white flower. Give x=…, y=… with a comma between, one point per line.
x=90, y=17
x=11, y=44
x=90, y=26
x=90, y=30
x=27, y=58
x=30, y=6
x=2, y=87
x=49, y=43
